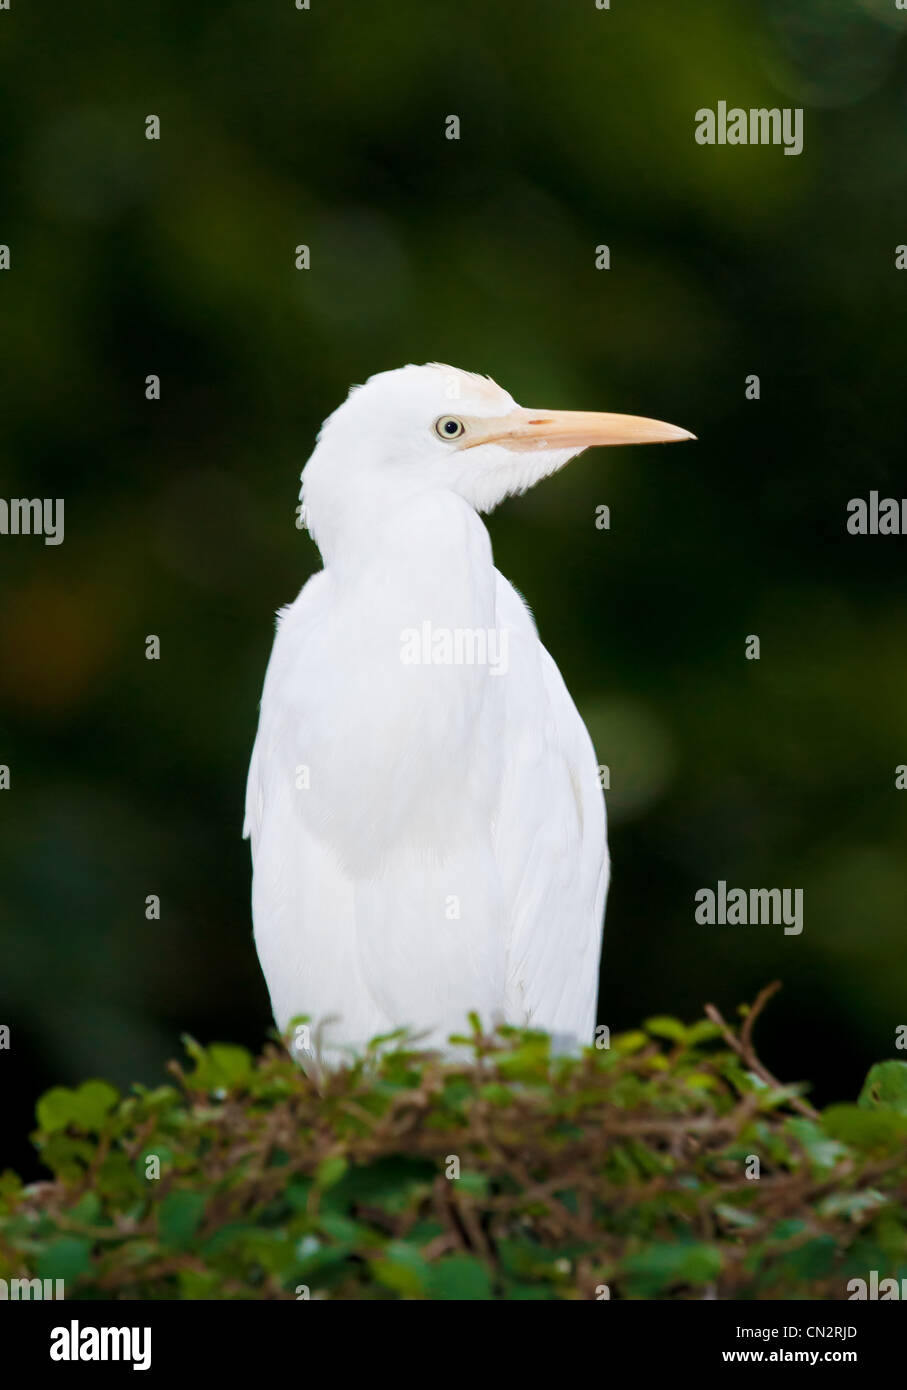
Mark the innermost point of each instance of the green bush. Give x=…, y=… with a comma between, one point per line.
x=626, y=1167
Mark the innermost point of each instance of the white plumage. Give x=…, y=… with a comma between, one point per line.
x=427, y=826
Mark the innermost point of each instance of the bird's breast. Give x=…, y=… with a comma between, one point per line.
x=394, y=692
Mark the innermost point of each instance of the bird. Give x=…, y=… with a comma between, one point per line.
x=424, y=803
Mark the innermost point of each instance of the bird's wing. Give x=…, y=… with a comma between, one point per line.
x=550, y=840
x=301, y=898
x=274, y=740
x=376, y=893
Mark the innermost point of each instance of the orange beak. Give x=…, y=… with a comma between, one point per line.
x=568, y=429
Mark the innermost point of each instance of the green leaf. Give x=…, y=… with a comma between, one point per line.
x=392, y=1183
x=93, y=1102
x=736, y=1216
x=458, y=1092
x=811, y=1260
x=526, y=1292
x=297, y=1193
x=342, y=1229
x=875, y=1128
x=331, y=1170
x=474, y=1184
x=220, y=1067
x=496, y=1093
x=462, y=1277
x=701, y=1081
x=403, y=1269
x=664, y=1027
x=526, y=1063
x=196, y=1285
x=821, y=1150
x=87, y=1108
x=10, y=1183
x=178, y=1217
x=659, y=1267
x=886, y=1084
x=703, y=1031
x=853, y=1205
x=87, y=1209
x=54, y=1109
x=64, y=1258
x=228, y=1237
x=233, y=1065
x=788, y=1228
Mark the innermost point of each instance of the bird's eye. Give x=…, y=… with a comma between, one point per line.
x=449, y=427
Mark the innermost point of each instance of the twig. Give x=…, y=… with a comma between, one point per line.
x=745, y=1050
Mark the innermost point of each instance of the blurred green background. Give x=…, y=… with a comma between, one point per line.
x=176, y=257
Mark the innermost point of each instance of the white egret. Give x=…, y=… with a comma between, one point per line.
x=424, y=803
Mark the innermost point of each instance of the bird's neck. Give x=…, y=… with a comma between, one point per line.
x=434, y=544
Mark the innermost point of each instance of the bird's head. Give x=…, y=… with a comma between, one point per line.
x=434, y=428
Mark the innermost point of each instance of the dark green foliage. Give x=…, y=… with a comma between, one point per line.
x=625, y=1167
